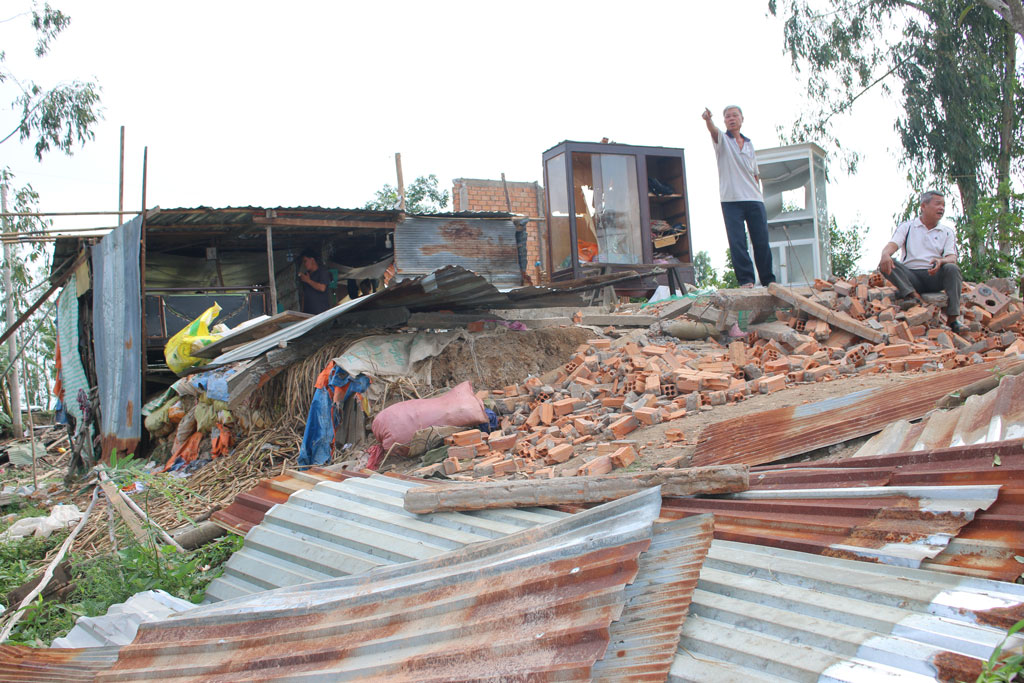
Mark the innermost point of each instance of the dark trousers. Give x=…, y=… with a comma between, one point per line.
x=948, y=280
x=756, y=220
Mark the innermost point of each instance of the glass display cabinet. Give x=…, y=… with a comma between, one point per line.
x=613, y=207
x=793, y=180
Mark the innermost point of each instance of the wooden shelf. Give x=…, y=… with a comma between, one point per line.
x=662, y=198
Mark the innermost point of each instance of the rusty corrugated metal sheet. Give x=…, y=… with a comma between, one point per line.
x=536, y=604
x=994, y=416
x=766, y=614
x=350, y=527
x=988, y=545
x=782, y=433
x=893, y=525
x=248, y=508
x=452, y=287
x=643, y=641
x=117, y=336
x=485, y=246
x=69, y=665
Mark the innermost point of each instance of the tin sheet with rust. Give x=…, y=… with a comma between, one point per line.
x=987, y=546
x=774, y=435
x=537, y=603
x=893, y=525
x=767, y=614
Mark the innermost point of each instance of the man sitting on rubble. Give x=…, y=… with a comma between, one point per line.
x=929, y=257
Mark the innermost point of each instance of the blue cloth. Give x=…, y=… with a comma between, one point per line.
x=492, y=422
x=60, y=414
x=319, y=432
x=756, y=220
x=322, y=421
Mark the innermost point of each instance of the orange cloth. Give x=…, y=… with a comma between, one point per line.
x=188, y=451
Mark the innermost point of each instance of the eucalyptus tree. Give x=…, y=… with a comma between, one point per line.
x=952, y=66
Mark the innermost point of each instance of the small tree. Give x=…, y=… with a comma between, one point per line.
x=846, y=247
x=729, y=280
x=703, y=272
x=421, y=196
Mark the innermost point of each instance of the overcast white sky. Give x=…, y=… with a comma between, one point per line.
x=305, y=103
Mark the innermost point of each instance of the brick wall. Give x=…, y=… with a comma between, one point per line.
x=527, y=199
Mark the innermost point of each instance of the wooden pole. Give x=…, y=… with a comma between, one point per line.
x=504, y=186
x=575, y=490
x=46, y=295
x=271, y=279
x=120, y=186
x=14, y=384
x=401, y=183
x=833, y=318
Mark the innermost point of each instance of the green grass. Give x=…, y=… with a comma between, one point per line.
x=108, y=579
x=1000, y=668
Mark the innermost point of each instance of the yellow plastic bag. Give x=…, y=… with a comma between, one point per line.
x=190, y=338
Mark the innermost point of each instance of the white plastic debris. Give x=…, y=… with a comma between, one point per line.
x=61, y=516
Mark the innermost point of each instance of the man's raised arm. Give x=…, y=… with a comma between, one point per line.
x=712, y=128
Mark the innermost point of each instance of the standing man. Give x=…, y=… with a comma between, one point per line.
x=929, y=257
x=314, y=284
x=742, y=201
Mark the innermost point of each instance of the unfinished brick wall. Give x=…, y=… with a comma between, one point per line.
x=470, y=194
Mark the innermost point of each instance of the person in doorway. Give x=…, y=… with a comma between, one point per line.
x=928, y=261
x=314, y=284
x=739, y=186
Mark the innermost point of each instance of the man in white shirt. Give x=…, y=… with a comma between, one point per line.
x=928, y=259
x=742, y=201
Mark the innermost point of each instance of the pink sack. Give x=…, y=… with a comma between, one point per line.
x=458, y=407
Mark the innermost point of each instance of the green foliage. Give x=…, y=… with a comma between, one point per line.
x=990, y=242
x=703, y=272
x=59, y=116
x=846, y=247
x=421, y=196
x=952, y=66
x=108, y=579
x=29, y=270
x=729, y=280
x=1000, y=669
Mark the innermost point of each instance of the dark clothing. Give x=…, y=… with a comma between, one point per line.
x=521, y=250
x=313, y=301
x=756, y=219
x=910, y=280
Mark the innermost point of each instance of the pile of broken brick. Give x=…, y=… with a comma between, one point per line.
x=574, y=420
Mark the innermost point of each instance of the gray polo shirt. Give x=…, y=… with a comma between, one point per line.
x=737, y=169
x=920, y=245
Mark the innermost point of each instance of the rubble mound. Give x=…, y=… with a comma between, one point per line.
x=506, y=356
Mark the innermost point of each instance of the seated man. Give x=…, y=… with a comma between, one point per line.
x=929, y=257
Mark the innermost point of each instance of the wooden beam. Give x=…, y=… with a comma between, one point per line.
x=574, y=490
x=46, y=295
x=319, y=223
x=833, y=318
x=272, y=280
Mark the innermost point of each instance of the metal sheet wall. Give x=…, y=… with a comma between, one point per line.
x=117, y=335
x=487, y=247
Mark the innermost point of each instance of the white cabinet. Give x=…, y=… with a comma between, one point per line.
x=793, y=179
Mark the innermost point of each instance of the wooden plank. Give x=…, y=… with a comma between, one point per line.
x=833, y=318
x=133, y=522
x=319, y=223
x=575, y=490
x=250, y=333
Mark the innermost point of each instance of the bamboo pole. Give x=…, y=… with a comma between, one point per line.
x=401, y=183
x=120, y=185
